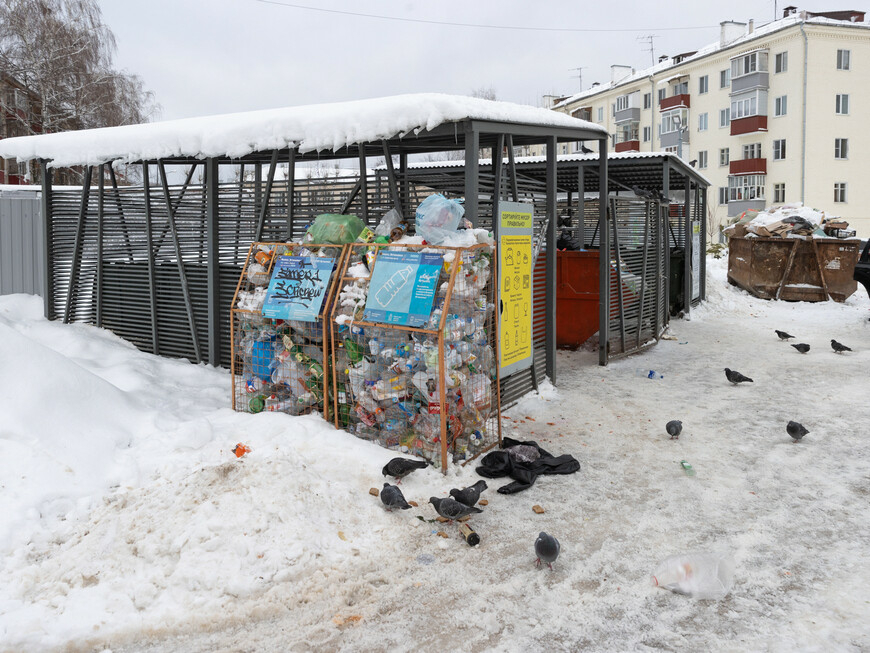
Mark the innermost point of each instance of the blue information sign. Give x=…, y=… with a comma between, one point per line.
x=297, y=288
x=403, y=287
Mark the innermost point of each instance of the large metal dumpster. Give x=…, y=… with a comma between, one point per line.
x=576, y=297
x=793, y=269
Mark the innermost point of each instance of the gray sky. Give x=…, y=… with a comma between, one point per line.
x=204, y=57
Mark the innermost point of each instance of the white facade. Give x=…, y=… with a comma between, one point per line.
x=770, y=115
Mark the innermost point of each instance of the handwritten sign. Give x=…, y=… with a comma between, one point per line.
x=297, y=288
x=403, y=287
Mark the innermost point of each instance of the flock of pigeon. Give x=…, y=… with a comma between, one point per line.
x=459, y=504
x=795, y=429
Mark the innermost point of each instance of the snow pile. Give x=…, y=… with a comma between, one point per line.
x=310, y=128
x=792, y=210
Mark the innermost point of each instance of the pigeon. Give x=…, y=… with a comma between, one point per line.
x=451, y=509
x=693, y=162
x=469, y=495
x=783, y=335
x=586, y=150
x=547, y=549
x=736, y=377
x=839, y=347
x=392, y=497
x=399, y=468
x=796, y=430
x=674, y=428
x=802, y=347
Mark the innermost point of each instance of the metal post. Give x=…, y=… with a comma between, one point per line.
x=101, y=185
x=212, y=236
x=391, y=175
x=152, y=289
x=550, y=322
x=581, y=205
x=47, y=267
x=364, y=183
x=406, y=188
x=603, y=256
x=687, y=263
x=472, y=170
x=264, y=208
x=666, y=191
x=497, y=153
x=77, y=248
x=703, y=271
x=512, y=169
x=117, y=194
x=185, y=289
x=291, y=191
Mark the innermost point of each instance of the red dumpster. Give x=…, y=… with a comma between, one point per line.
x=576, y=297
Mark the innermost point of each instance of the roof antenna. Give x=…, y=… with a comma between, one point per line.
x=579, y=75
x=651, y=49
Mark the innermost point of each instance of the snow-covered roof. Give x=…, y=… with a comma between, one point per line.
x=312, y=128
x=667, y=64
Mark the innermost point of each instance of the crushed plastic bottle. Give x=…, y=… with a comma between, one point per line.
x=648, y=374
x=700, y=575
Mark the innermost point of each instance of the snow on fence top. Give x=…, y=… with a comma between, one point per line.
x=312, y=127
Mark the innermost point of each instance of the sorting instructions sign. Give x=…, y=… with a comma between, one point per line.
x=297, y=288
x=403, y=288
x=515, y=286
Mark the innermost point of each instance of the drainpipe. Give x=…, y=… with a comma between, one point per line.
x=652, y=114
x=804, y=120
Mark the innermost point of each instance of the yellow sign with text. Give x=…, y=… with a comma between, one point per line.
x=515, y=270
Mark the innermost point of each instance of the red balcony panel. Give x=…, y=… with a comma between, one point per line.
x=749, y=125
x=673, y=102
x=748, y=167
x=628, y=146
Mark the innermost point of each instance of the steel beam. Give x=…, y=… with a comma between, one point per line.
x=364, y=184
x=472, y=172
x=291, y=191
x=512, y=169
x=687, y=263
x=77, y=248
x=101, y=185
x=580, y=231
x=550, y=307
x=603, y=257
x=261, y=222
x=117, y=194
x=152, y=288
x=47, y=234
x=212, y=237
x=497, y=171
x=391, y=175
x=170, y=214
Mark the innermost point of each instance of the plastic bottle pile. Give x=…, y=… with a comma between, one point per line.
x=388, y=378
x=282, y=361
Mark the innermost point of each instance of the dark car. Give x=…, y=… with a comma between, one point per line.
x=862, y=267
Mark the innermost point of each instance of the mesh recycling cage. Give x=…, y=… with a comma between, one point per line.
x=282, y=363
x=430, y=309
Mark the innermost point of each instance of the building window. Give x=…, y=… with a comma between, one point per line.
x=724, y=156
x=702, y=122
x=681, y=89
x=703, y=84
x=843, y=104
x=613, y=108
x=647, y=134
x=702, y=159
x=647, y=100
x=780, y=62
x=724, y=117
x=725, y=78
x=748, y=64
x=663, y=93
x=752, y=151
x=778, y=193
x=671, y=149
x=841, y=148
x=843, y=59
x=780, y=105
x=840, y=192
x=673, y=121
x=744, y=106
x=600, y=114
x=745, y=187
x=778, y=149
x=622, y=102
x=723, y=195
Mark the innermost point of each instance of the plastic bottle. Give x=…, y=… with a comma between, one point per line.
x=649, y=374
x=701, y=575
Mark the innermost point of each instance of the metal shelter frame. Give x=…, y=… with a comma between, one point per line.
x=158, y=263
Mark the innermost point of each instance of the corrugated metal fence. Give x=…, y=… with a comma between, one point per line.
x=21, y=243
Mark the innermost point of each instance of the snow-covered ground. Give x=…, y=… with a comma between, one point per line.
x=129, y=525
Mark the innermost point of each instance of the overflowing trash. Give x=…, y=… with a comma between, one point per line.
x=786, y=221
x=394, y=357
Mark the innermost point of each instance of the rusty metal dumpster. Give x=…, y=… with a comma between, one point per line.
x=793, y=269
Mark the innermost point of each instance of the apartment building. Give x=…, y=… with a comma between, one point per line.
x=769, y=114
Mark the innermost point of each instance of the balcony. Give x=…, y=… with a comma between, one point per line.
x=674, y=102
x=628, y=146
x=748, y=125
x=748, y=167
x=630, y=114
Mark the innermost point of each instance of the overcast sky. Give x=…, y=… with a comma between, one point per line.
x=204, y=57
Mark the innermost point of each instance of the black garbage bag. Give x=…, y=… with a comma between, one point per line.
x=518, y=461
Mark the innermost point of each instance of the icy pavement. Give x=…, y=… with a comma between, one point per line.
x=285, y=549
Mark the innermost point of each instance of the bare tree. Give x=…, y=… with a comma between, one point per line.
x=61, y=52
